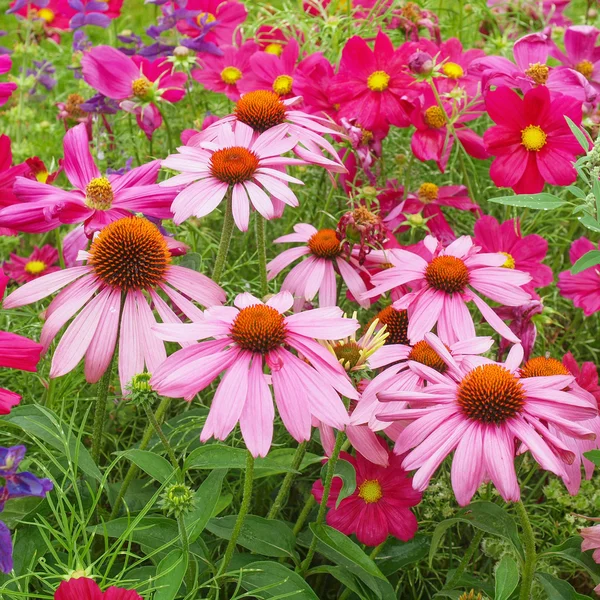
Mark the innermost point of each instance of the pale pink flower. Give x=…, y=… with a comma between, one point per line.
x=246, y=338
x=443, y=285
x=128, y=264
x=591, y=541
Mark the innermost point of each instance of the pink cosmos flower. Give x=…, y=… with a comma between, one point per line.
x=139, y=84
x=84, y=588
x=481, y=411
x=272, y=72
x=522, y=253
x=8, y=175
x=312, y=81
x=586, y=376
x=128, y=265
x=96, y=200
x=224, y=73
x=380, y=505
x=249, y=167
x=40, y=262
x=6, y=88
x=456, y=67
x=428, y=199
x=441, y=288
x=246, y=338
x=584, y=288
x=272, y=39
x=222, y=16
x=317, y=273
x=531, y=141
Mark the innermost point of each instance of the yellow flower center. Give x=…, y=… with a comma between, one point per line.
x=533, y=138
x=538, y=72
x=206, y=17
x=274, y=48
x=42, y=176
x=283, y=85
x=378, y=81
x=140, y=87
x=370, y=491
x=453, y=70
x=35, y=267
x=46, y=14
x=435, y=117
x=509, y=263
x=585, y=67
x=231, y=75
x=428, y=192
x=99, y=194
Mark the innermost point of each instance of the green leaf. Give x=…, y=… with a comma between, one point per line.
x=576, y=191
x=191, y=260
x=156, y=466
x=345, y=471
x=397, y=554
x=541, y=201
x=169, y=575
x=590, y=223
x=206, y=499
x=264, y=536
x=270, y=579
x=589, y=259
x=594, y=456
x=507, y=578
x=40, y=423
x=570, y=550
x=581, y=137
x=558, y=589
x=153, y=532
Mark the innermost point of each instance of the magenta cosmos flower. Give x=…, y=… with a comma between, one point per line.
x=247, y=338
x=584, y=288
x=128, y=264
x=442, y=288
x=481, y=412
x=455, y=65
x=224, y=73
x=96, y=200
x=84, y=588
x=248, y=167
x=380, y=505
x=221, y=16
x=6, y=88
x=40, y=262
x=524, y=253
x=317, y=273
x=531, y=142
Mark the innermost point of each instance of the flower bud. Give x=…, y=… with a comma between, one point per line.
x=420, y=63
x=178, y=499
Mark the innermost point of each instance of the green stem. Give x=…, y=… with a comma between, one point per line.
x=226, y=234
x=261, y=245
x=100, y=410
x=133, y=469
x=331, y=463
x=308, y=506
x=529, y=563
x=168, y=128
x=247, y=498
x=59, y=248
x=165, y=442
x=288, y=480
x=464, y=563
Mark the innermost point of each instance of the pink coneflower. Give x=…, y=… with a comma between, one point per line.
x=531, y=141
x=247, y=338
x=40, y=262
x=380, y=505
x=127, y=265
x=481, y=411
x=520, y=321
x=224, y=73
x=583, y=288
x=317, y=273
x=591, y=541
x=84, y=588
x=220, y=17
x=524, y=253
x=428, y=199
x=372, y=84
x=442, y=288
x=237, y=162
x=96, y=199
x=272, y=72
x=6, y=88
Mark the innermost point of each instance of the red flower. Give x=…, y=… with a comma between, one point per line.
x=380, y=505
x=87, y=589
x=531, y=141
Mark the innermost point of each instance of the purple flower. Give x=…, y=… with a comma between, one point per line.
x=521, y=324
x=10, y=459
x=6, y=560
x=122, y=170
x=19, y=4
x=101, y=105
x=89, y=13
x=43, y=75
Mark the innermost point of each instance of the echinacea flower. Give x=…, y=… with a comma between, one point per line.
x=128, y=264
x=221, y=16
x=40, y=262
x=224, y=73
x=96, y=200
x=591, y=541
x=443, y=285
x=584, y=287
x=531, y=141
x=238, y=163
x=84, y=588
x=6, y=88
x=481, y=412
x=380, y=505
x=247, y=338
x=317, y=273
x=16, y=485
x=524, y=253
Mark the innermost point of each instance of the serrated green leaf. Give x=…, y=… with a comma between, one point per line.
x=589, y=259
x=541, y=201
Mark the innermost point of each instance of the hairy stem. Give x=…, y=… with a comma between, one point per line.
x=288, y=480
x=528, y=570
x=226, y=234
x=260, y=223
x=464, y=563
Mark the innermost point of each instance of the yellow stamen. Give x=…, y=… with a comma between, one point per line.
x=140, y=87
x=510, y=261
x=231, y=75
x=274, y=48
x=586, y=68
x=533, y=138
x=378, y=81
x=99, y=194
x=453, y=70
x=435, y=117
x=46, y=14
x=538, y=72
x=35, y=267
x=206, y=17
x=370, y=491
x=428, y=192
x=283, y=85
